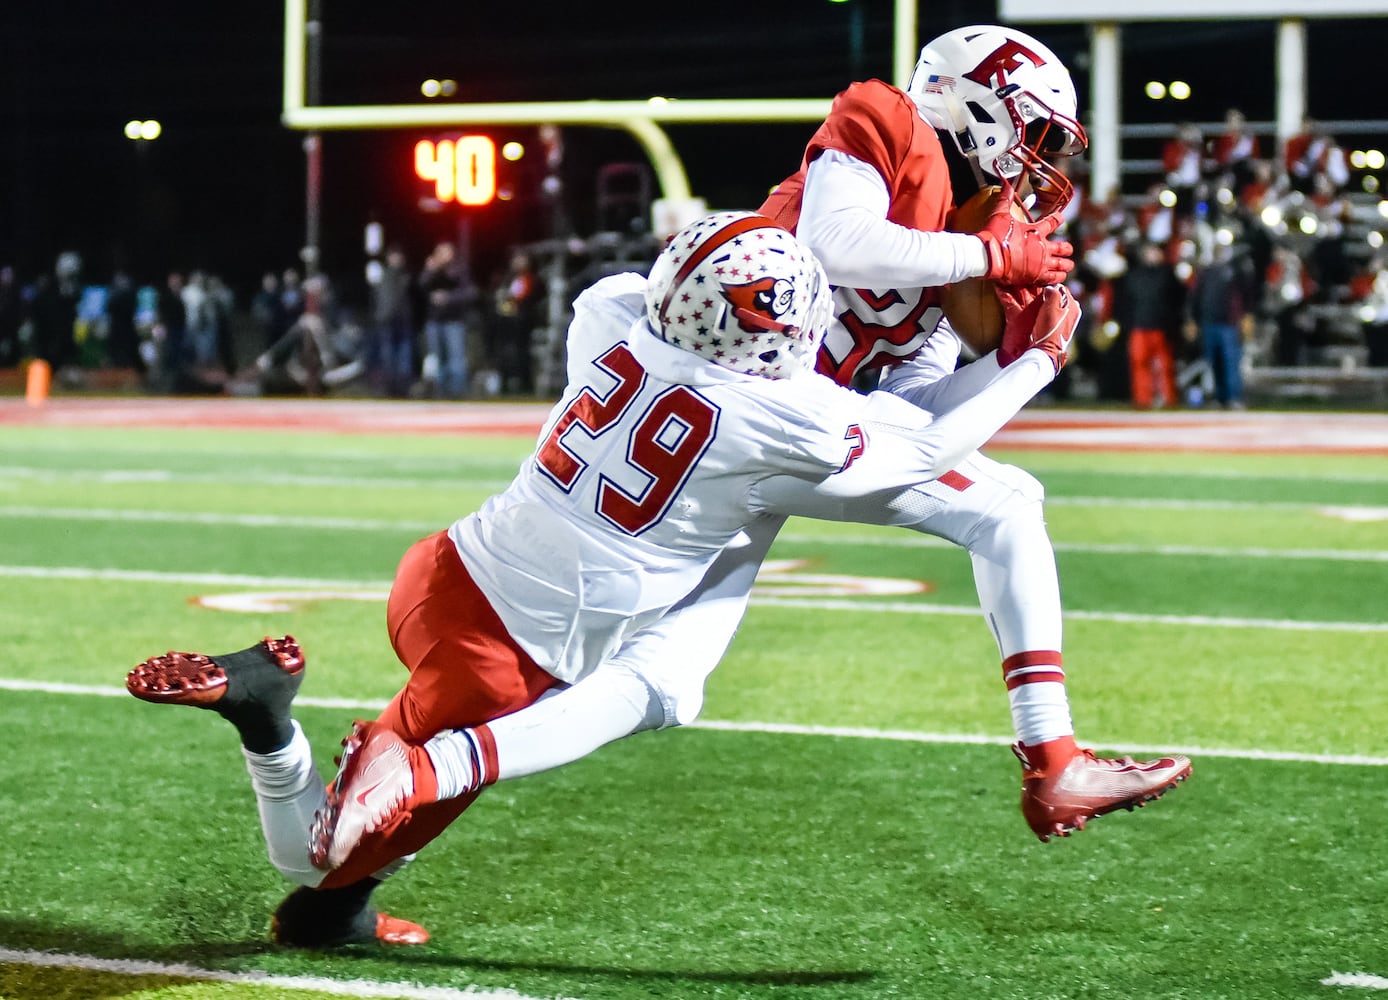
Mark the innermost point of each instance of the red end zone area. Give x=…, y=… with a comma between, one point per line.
x=330, y=416
x=1041, y=428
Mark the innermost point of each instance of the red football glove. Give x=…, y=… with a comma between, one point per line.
x=1047, y=323
x=1018, y=251
x=1017, y=299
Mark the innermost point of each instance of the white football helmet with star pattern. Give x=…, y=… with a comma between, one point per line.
x=740, y=290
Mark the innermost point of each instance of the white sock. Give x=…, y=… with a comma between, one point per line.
x=1040, y=711
x=288, y=791
x=457, y=761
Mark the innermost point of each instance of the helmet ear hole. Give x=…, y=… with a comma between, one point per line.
x=768, y=356
x=979, y=113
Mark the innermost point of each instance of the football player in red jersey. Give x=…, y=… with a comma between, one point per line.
x=883, y=173
x=987, y=105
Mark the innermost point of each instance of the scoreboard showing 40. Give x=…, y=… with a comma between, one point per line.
x=462, y=169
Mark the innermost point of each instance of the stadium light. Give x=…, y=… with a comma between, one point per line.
x=438, y=88
x=148, y=131
x=1177, y=90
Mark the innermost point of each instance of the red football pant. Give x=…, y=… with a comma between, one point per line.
x=465, y=669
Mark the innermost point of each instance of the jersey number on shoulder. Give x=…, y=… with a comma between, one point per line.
x=665, y=442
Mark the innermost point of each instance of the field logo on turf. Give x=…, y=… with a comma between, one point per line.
x=777, y=578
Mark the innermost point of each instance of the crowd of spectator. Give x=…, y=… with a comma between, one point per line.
x=429, y=332
x=1231, y=258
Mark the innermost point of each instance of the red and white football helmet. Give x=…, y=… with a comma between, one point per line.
x=1008, y=102
x=740, y=290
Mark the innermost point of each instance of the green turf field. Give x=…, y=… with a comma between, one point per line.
x=851, y=829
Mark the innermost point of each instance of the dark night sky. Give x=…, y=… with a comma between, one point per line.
x=224, y=187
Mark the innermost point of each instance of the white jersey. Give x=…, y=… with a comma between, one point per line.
x=650, y=465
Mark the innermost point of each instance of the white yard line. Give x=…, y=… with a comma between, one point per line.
x=1363, y=980
x=1184, y=503
x=1047, y=468
x=454, y=482
x=906, y=736
x=194, y=579
x=912, y=540
x=895, y=539
x=1197, y=621
x=336, y=987
x=9, y=474
x=206, y=518
x=764, y=599
x=795, y=729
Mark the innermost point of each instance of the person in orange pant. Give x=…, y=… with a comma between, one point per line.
x=1148, y=306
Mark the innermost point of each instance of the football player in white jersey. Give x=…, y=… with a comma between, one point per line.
x=691, y=393
x=987, y=104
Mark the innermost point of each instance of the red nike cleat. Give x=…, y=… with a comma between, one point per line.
x=372, y=788
x=394, y=930
x=198, y=679
x=1059, y=801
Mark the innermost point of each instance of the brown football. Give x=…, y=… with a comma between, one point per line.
x=972, y=305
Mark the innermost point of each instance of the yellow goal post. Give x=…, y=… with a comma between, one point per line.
x=642, y=119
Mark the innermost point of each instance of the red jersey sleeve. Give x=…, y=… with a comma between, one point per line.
x=878, y=124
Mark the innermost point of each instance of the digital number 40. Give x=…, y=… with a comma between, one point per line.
x=462, y=169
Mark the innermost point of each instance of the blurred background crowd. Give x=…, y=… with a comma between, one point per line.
x=1239, y=265
x=427, y=329
x=1241, y=271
